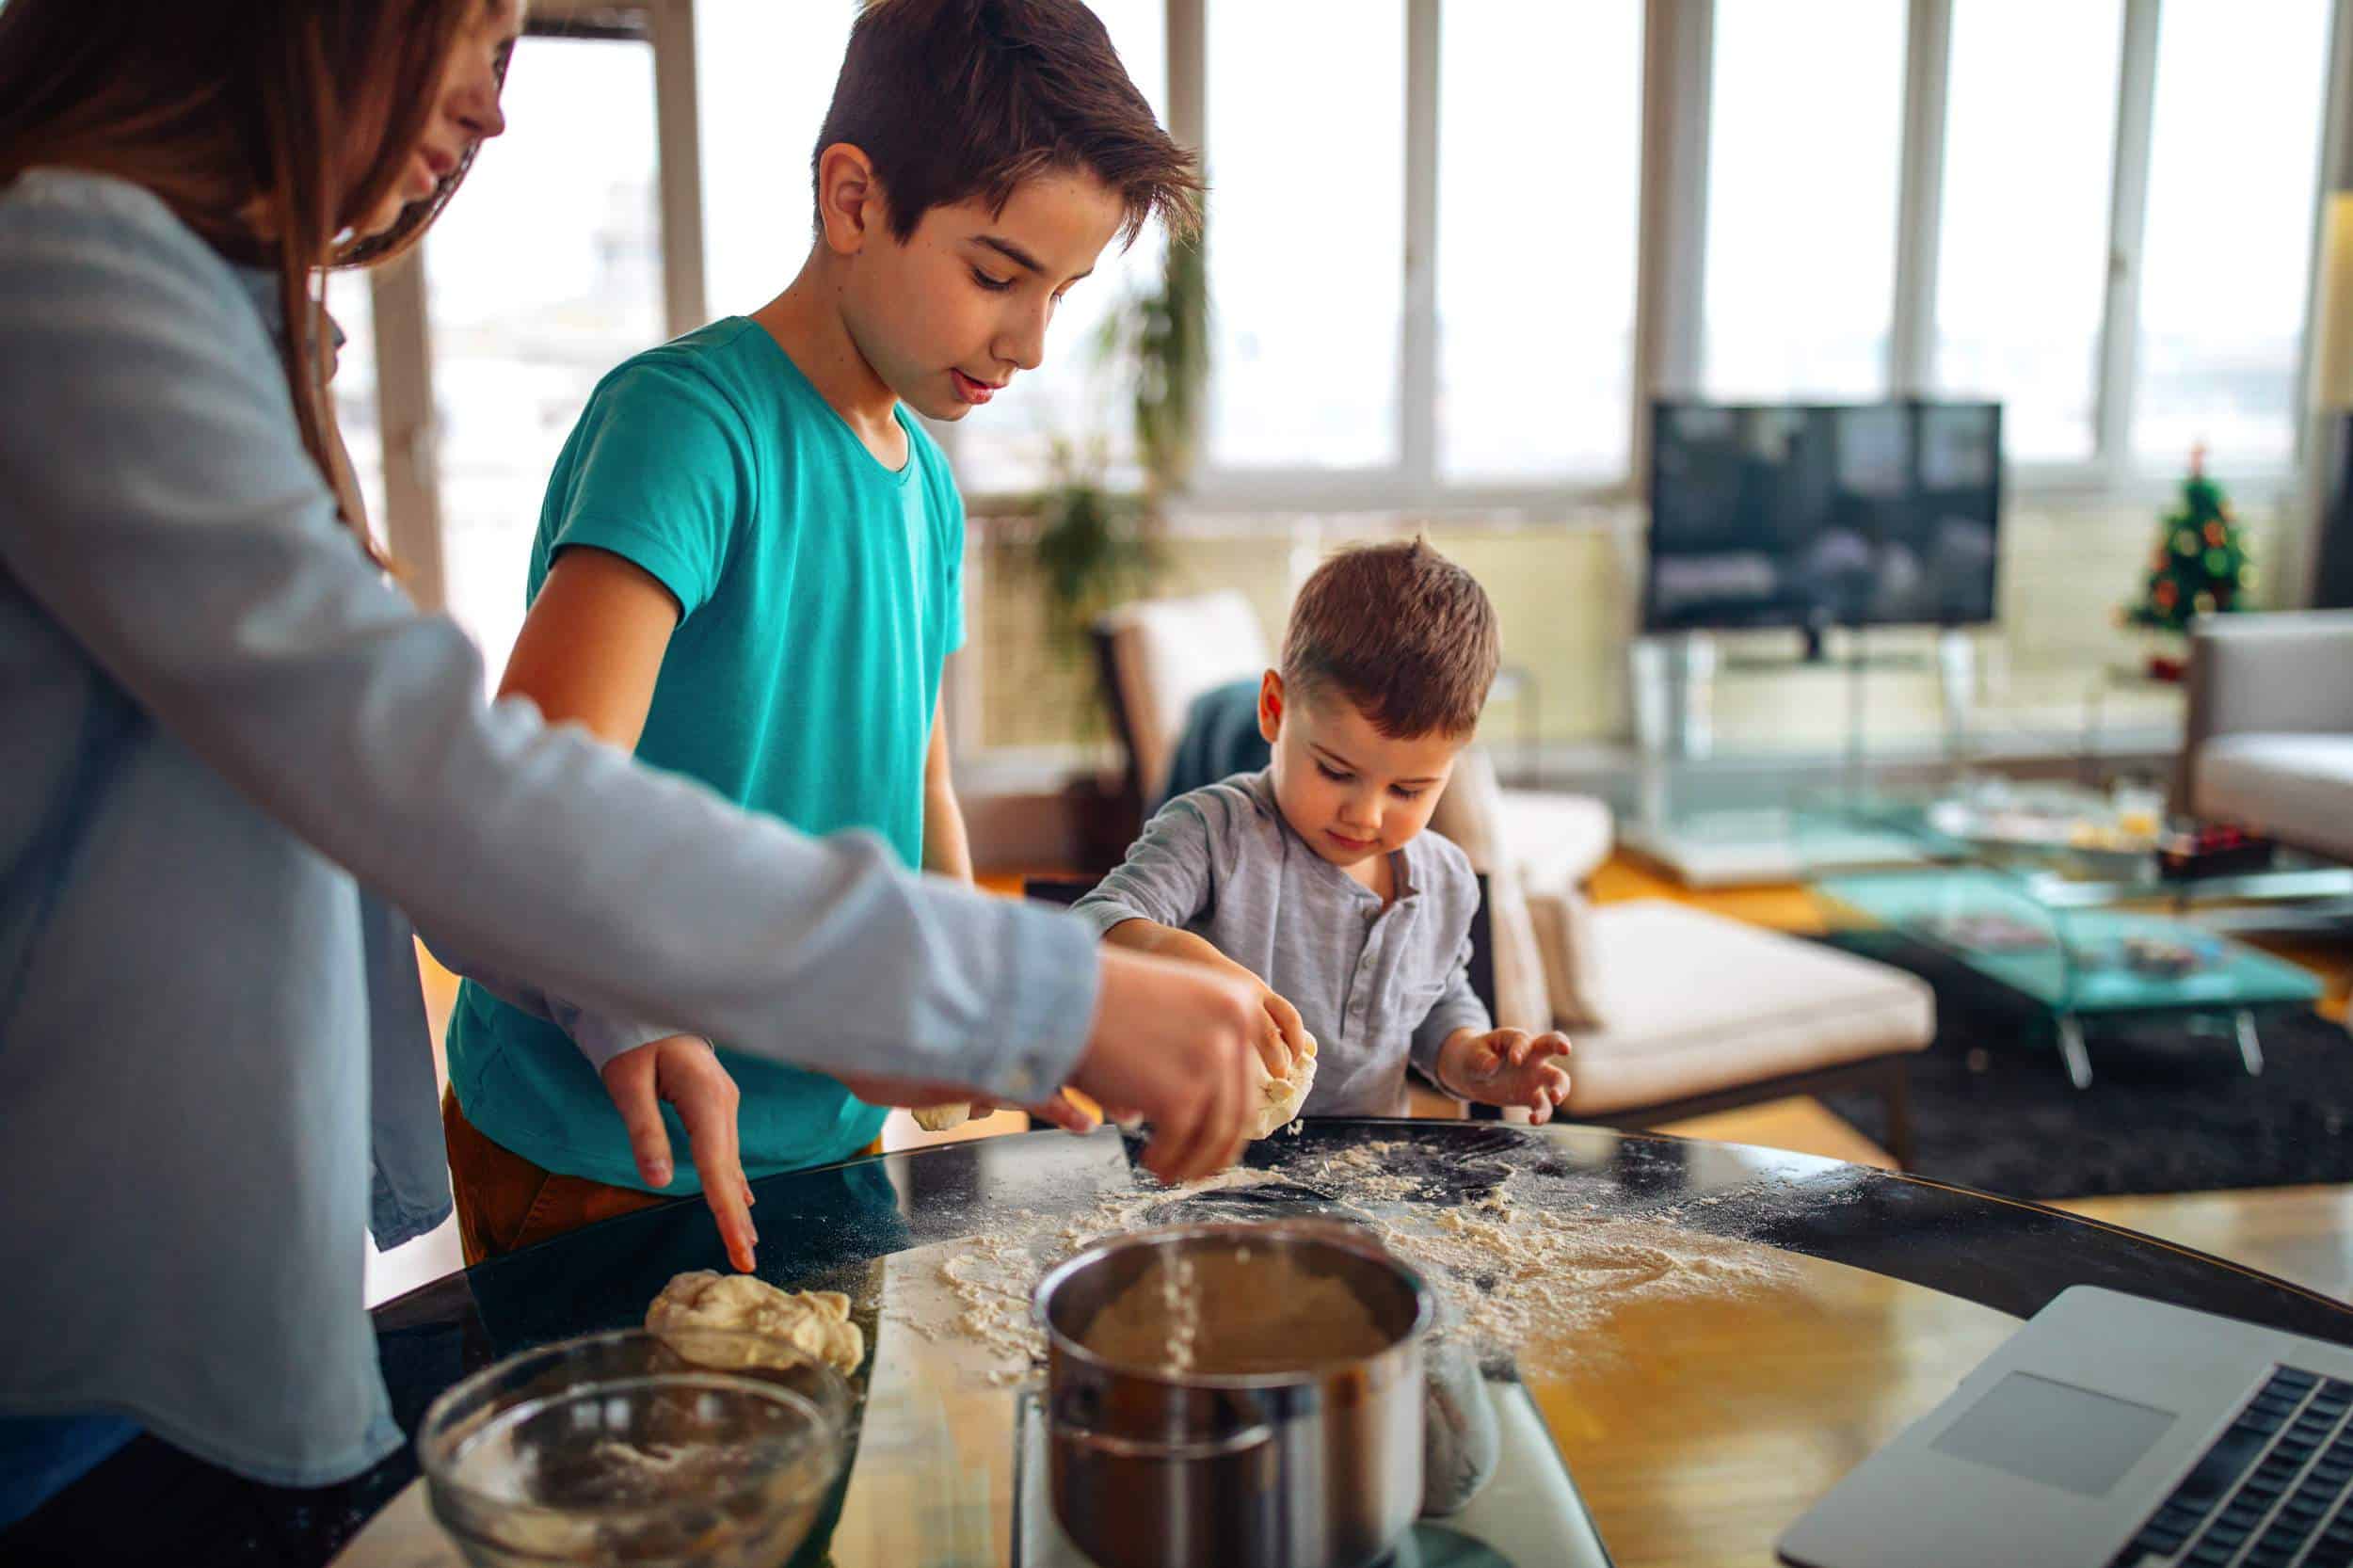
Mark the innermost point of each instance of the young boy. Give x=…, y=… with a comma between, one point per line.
x=1314, y=879
x=748, y=569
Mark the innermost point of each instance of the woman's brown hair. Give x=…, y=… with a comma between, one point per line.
x=241, y=115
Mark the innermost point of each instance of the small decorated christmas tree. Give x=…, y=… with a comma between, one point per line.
x=2202, y=565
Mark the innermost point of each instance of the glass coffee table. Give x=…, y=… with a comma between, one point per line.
x=2056, y=894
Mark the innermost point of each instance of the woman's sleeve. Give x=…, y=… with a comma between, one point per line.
x=156, y=500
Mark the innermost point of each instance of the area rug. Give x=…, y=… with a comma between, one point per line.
x=2169, y=1109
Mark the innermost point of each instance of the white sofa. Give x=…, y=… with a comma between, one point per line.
x=2270, y=735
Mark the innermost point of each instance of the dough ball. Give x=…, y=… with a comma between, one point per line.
x=1281, y=1097
x=814, y=1321
x=939, y=1118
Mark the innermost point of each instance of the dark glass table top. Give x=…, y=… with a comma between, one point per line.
x=1883, y=1290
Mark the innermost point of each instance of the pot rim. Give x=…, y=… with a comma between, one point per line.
x=1344, y=1237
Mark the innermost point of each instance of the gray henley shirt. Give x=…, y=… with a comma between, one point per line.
x=1376, y=987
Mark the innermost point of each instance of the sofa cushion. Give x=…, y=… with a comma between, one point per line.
x=1166, y=652
x=2295, y=788
x=1522, y=1001
x=1563, y=924
x=1470, y=813
x=1699, y=1003
x=1557, y=840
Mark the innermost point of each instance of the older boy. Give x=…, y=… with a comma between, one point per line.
x=1315, y=879
x=749, y=566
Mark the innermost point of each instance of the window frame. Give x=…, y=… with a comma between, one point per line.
x=1411, y=482
x=1677, y=49
x=403, y=325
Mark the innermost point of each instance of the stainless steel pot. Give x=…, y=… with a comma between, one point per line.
x=1314, y=1463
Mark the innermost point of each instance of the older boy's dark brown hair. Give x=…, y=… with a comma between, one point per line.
x=1402, y=633
x=952, y=98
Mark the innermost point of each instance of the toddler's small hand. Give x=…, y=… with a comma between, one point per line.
x=1508, y=1066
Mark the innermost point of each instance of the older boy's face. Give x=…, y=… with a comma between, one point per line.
x=1349, y=790
x=948, y=318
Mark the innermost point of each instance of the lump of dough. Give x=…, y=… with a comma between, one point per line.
x=939, y=1118
x=1284, y=1095
x=814, y=1321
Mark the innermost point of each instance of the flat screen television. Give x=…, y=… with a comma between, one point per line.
x=1815, y=515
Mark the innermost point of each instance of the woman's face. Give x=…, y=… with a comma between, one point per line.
x=465, y=112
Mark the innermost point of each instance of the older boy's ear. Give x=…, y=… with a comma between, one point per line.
x=1271, y=706
x=849, y=198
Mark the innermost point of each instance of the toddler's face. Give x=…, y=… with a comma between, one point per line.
x=1348, y=790
x=947, y=318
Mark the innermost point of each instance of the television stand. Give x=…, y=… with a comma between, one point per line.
x=1674, y=692
x=1674, y=678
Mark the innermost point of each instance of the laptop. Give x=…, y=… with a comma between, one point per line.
x=2111, y=1433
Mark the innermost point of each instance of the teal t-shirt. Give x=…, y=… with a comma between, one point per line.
x=820, y=592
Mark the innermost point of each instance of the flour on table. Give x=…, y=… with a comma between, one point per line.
x=1525, y=1270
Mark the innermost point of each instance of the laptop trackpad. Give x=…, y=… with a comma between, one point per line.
x=2055, y=1432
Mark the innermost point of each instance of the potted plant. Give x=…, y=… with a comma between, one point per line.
x=1091, y=548
x=1096, y=546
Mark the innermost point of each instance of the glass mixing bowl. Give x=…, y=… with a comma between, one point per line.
x=637, y=1450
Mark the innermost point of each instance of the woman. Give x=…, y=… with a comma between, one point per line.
x=234, y=751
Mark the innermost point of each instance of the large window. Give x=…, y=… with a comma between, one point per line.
x=1430, y=226
x=545, y=274
x=1306, y=225
x=764, y=73
x=1074, y=400
x=1540, y=162
x=1805, y=104
x=2022, y=273
x=2232, y=162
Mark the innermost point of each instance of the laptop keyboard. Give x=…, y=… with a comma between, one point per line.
x=2270, y=1493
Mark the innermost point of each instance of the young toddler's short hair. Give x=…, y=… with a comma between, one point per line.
x=1402, y=633
x=952, y=98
